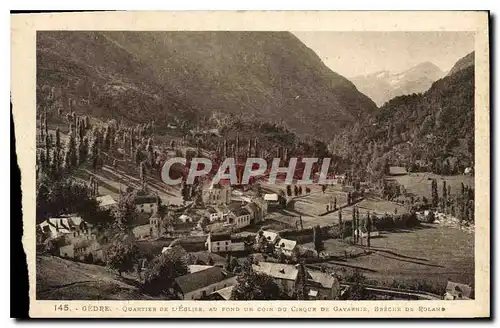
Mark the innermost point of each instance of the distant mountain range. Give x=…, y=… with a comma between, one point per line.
x=383, y=86
x=436, y=127
x=189, y=76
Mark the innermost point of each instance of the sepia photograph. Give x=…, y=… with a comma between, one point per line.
x=256, y=165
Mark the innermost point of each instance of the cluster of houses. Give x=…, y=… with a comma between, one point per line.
x=213, y=282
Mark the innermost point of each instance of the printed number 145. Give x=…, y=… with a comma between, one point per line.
x=61, y=307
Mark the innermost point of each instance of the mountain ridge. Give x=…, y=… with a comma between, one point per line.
x=270, y=76
x=382, y=86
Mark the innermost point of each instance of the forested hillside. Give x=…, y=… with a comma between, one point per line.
x=433, y=130
x=185, y=78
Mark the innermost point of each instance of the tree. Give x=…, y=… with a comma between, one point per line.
x=254, y=286
x=161, y=272
x=335, y=204
x=318, y=240
x=357, y=290
x=71, y=157
x=445, y=196
x=121, y=256
x=94, y=153
x=354, y=234
x=125, y=212
x=301, y=282
x=295, y=190
x=341, y=226
x=368, y=229
x=434, y=194
x=142, y=174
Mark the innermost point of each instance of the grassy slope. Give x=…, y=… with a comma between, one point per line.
x=57, y=278
x=430, y=253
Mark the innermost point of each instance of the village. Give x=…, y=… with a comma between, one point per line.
x=290, y=233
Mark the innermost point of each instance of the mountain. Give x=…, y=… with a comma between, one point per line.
x=435, y=127
x=463, y=63
x=382, y=86
x=188, y=77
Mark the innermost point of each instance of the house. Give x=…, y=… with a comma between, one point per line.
x=218, y=243
x=240, y=217
x=270, y=236
x=363, y=232
x=72, y=226
x=271, y=198
x=146, y=204
x=185, y=218
x=221, y=243
x=217, y=195
x=80, y=250
x=200, y=284
x=287, y=247
x=319, y=285
x=458, y=291
x=238, y=243
x=397, y=170
x=156, y=227
x=213, y=214
x=206, y=258
x=223, y=294
x=106, y=202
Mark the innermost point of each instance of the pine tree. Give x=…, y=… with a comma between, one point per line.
x=301, y=282
x=58, y=139
x=341, y=225
x=434, y=195
x=353, y=225
x=71, y=157
x=94, y=154
x=368, y=229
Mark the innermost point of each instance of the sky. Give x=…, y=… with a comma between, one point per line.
x=359, y=53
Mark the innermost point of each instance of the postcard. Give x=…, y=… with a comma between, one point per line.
x=254, y=164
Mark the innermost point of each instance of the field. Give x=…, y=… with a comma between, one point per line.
x=57, y=278
x=430, y=252
x=419, y=184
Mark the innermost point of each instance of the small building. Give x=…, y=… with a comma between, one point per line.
x=287, y=247
x=200, y=284
x=72, y=226
x=458, y=291
x=106, y=202
x=185, y=218
x=319, y=285
x=363, y=232
x=273, y=198
x=217, y=243
x=270, y=237
x=397, y=170
x=239, y=217
x=146, y=204
x=469, y=171
x=156, y=228
x=217, y=195
x=213, y=214
x=80, y=250
x=222, y=243
x=223, y=294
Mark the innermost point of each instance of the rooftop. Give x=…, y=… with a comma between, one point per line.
x=106, y=200
x=197, y=280
x=287, y=244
